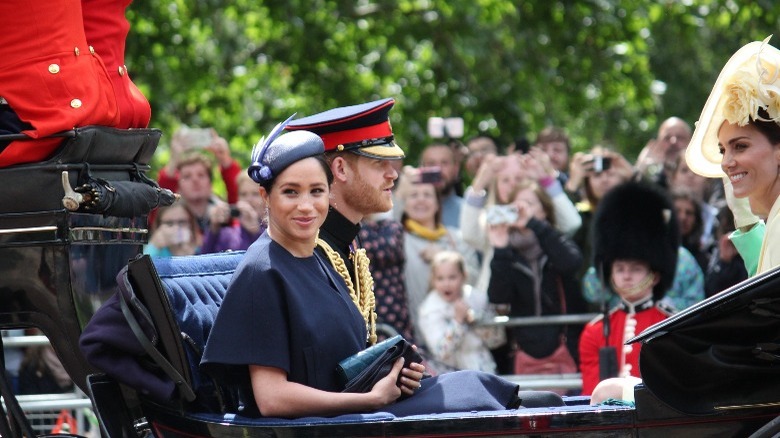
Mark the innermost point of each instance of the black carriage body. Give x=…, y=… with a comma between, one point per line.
x=174, y=288
x=57, y=267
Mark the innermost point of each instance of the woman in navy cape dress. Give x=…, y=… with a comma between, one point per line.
x=289, y=311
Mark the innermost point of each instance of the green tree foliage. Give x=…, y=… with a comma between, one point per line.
x=606, y=70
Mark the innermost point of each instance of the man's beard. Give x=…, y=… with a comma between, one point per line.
x=365, y=198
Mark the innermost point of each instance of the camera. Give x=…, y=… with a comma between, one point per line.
x=501, y=214
x=450, y=127
x=601, y=163
x=429, y=175
x=234, y=211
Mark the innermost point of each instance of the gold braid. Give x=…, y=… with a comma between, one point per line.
x=363, y=294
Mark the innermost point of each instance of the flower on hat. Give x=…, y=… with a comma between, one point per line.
x=752, y=88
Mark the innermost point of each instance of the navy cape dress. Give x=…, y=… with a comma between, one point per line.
x=294, y=314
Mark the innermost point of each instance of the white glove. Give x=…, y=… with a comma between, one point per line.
x=740, y=207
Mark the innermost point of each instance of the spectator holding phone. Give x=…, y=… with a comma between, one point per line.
x=496, y=179
x=443, y=157
x=479, y=147
x=235, y=227
x=190, y=172
x=174, y=232
x=533, y=268
x=424, y=236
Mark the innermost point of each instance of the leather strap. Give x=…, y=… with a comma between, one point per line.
x=184, y=388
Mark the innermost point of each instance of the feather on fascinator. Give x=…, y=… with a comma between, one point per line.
x=749, y=81
x=274, y=153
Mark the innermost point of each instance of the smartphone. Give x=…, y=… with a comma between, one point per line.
x=501, y=214
x=601, y=163
x=450, y=127
x=234, y=211
x=195, y=138
x=429, y=175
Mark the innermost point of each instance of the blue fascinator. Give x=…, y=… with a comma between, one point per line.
x=274, y=153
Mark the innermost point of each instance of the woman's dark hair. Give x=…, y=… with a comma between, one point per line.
x=692, y=241
x=268, y=185
x=770, y=129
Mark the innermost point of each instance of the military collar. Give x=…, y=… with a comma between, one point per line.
x=637, y=306
x=339, y=231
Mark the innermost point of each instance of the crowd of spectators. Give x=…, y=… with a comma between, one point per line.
x=519, y=220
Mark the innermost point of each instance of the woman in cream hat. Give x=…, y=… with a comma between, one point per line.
x=737, y=138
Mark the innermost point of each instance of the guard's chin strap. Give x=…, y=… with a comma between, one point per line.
x=630, y=292
x=608, y=366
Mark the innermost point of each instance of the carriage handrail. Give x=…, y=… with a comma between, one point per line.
x=23, y=137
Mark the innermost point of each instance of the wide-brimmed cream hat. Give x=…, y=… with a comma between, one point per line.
x=750, y=80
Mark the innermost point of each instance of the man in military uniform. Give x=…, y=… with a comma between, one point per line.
x=360, y=147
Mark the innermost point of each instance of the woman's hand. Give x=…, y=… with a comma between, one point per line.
x=578, y=170
x=487, y=171
x=429, y=252
x=248, y=217
x=620, y=165
x=219, y=215
x=162, y=236
x=524, y=214
x=386, y=391
x=498, y=235
x=542, y=161
x=411, y=376
x=220, y=148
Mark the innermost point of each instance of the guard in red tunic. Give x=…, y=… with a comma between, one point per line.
x=52, y=76
x=636, y=241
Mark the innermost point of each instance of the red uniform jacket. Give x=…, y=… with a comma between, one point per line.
x=50, y=75
x=625, y=321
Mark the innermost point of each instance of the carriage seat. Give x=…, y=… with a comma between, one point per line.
x=100, y=151
x=180, y=298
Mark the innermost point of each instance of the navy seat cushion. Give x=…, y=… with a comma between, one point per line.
x=195, y=286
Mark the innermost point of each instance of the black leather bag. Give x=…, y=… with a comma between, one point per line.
x=362, y=370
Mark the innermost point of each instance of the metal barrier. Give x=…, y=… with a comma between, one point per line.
x=528, y=321
x=43, y=410
x=546, y=381
x=542, y=381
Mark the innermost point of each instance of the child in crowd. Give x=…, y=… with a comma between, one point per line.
x=448, y=314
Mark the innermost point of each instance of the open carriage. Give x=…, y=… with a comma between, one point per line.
x=59, y=265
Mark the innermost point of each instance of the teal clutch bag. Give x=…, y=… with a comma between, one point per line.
x=359, y=371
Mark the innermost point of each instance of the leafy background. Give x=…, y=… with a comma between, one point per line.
x=607, y=71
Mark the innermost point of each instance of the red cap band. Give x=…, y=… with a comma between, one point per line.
x=333, y=139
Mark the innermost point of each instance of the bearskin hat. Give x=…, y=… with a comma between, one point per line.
x=636, y=221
